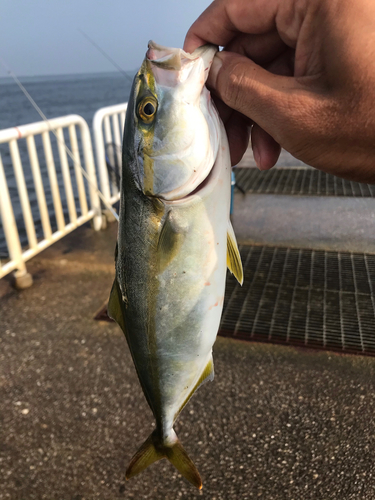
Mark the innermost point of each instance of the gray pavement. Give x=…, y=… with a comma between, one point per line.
x=319, y=222
x=276, y=423
x=285, y=160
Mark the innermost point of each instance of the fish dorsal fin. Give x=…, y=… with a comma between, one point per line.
x=114, y=309
x=233, y=255
x=170, y=241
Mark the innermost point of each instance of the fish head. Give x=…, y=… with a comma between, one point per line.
x=175, y=129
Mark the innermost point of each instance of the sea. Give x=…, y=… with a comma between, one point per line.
x=56, y=95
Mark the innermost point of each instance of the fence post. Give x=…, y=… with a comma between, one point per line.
x=90, y=169
x=102, y=117
x=23, y=279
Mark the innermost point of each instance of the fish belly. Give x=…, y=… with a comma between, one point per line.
x=172, y=315
x=190, y=298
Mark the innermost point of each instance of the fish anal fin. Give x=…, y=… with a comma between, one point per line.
x=206, y=376
x=170, y=241
x=233, y=256
x=155, y=448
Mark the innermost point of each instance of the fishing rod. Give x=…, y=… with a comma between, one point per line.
x=68, y=151
x=102, y=51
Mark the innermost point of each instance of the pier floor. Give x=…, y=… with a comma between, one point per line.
x=277, y=423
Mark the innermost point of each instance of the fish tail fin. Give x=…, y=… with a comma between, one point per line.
x=177, y=455
x=147, y=454
x=154, y=448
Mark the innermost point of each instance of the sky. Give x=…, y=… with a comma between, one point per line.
x=41, y=37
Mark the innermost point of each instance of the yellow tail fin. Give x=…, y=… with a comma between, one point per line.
x=154, y=449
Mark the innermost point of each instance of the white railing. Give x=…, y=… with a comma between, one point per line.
x=111, y=119
x=87, y=202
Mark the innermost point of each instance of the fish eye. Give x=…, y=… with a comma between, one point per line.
x=147, y=109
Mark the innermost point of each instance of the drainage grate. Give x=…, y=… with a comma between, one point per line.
x=303, y=297
x=303, y=181
x=297, y=297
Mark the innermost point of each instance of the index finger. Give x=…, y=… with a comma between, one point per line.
x=224, y=19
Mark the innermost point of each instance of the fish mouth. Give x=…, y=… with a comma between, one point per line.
x=176, y=59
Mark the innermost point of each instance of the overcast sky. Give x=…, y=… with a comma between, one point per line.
x=41, y=37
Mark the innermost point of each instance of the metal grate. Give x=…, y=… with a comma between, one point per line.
x=303, y=297
x=303, y=181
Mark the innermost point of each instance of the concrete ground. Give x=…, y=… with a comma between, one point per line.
x=285, y=160
x=334, y=223
x=276, y=423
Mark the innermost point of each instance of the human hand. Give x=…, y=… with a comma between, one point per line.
x=302, y=72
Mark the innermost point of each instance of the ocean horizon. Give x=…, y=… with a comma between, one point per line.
x=6, y=80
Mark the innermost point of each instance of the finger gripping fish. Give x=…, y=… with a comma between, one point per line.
x=175, y=240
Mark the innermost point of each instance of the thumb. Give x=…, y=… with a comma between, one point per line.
x=280, y=105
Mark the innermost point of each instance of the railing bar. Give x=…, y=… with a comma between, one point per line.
x=107, y=130
x=39, y=188
x=91, y=175
x=66, y=175
x=117, y=141
x=102, y=134
x=8, y=268
x=59, y=214
x=118, y=136
x=23, y=194
x=122, y=122
x=116, y=130
x=78, y=169
x=42, y=245
x=9, y=225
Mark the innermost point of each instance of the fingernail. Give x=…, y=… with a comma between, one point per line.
x=257, y=156
x=215, y=68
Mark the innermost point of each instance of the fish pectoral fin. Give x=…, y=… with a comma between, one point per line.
x=233, y=255
x=154, y=448
x=114, y=309
x=169, y=244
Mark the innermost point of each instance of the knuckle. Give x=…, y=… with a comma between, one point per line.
x=235, y=91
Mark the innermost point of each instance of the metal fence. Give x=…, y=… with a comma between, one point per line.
x=74, y=182
x=109, y=120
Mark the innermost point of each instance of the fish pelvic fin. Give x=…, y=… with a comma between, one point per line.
x=155, y=448
x=233, y=255
x=114, y=310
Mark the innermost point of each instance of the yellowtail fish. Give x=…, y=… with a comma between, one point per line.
x=175, y=240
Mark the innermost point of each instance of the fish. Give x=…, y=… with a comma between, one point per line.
x=175, y=240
